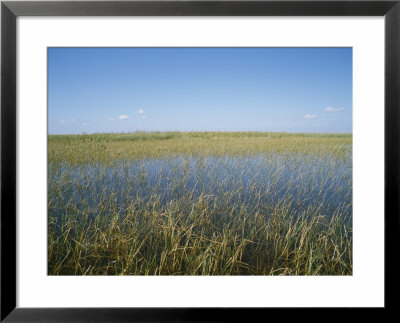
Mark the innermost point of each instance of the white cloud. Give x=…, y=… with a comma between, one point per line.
x=72, y=120
x=84, y=124
x=330, y=109
x=123, y=117
x=310, y=116
x=144, y=117
x=111, y=119
x=140, y=111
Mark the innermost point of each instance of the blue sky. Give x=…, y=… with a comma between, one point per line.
x=199, y=89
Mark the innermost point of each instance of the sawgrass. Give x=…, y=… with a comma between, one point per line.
x=175, y=203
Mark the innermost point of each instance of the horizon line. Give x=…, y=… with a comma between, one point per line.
x=190, y=131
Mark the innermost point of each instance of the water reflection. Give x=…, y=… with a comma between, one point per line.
x=257, y=183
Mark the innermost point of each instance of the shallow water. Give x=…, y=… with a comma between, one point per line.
x=256, y=183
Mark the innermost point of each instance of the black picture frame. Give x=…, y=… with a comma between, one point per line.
x=10, y=10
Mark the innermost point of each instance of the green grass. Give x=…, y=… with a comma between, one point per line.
x=78, y=149
x=175, y=203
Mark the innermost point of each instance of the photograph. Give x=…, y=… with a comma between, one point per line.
x=193, y=161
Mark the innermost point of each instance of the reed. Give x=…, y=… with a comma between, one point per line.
x=175, y=203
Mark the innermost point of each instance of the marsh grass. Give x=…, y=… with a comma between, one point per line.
x=78, y=149
x=200, y=204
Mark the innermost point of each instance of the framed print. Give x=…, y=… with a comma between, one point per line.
x=176, y=160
